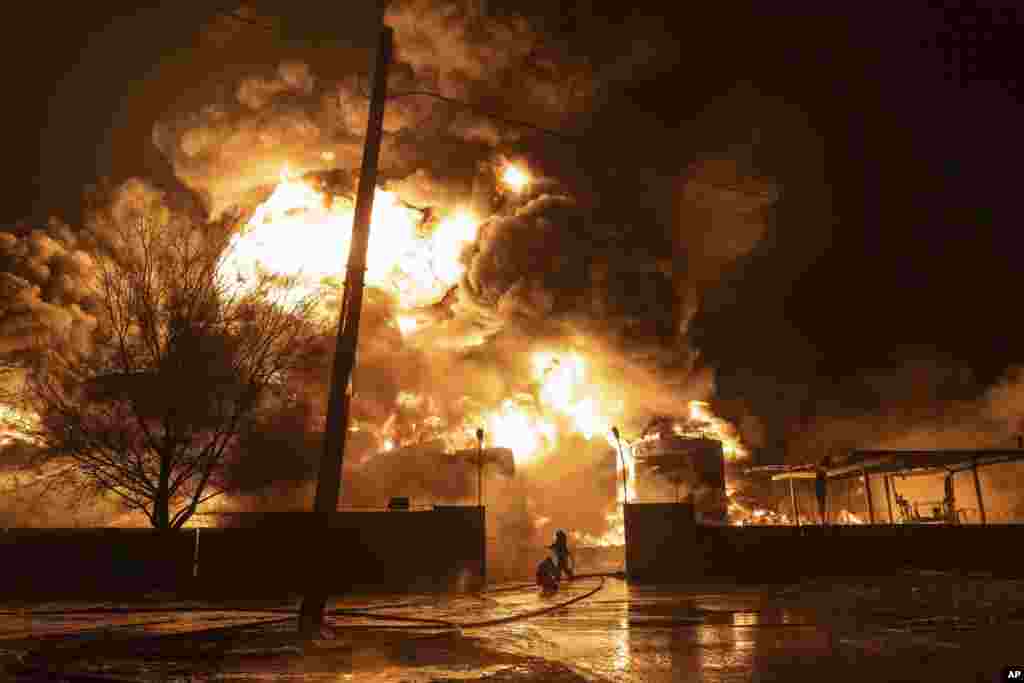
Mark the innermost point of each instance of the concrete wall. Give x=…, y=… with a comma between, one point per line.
x=270, y=554
x=658, y=538
x=663, y=545
x=88, y=562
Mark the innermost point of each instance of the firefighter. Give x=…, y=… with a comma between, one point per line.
x=548, y=575
x=561, y=550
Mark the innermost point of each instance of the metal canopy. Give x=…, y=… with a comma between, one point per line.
x=803, y=472
x=907, y=462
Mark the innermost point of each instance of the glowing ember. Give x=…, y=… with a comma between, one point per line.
x=746, y=515
x=847, y=517
x=515, y=178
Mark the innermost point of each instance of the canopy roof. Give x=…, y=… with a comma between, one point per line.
x=904, y=462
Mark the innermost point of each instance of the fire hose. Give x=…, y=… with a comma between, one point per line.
x=439, y=627
x=445, y=626
x=477, y=624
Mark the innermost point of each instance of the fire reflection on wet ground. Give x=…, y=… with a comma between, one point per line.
x=945, y=628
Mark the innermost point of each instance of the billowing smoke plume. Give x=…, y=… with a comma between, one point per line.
x=47, y=272
x=289, y=116
x=574, y=261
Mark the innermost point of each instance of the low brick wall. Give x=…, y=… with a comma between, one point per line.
x=260, y=555
x=664, y=545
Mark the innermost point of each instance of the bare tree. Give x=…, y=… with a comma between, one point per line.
x=181, y=362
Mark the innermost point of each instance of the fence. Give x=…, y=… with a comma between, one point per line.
x=270, y=554
x=663, y=543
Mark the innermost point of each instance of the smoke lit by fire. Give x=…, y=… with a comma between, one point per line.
x=703, y=423
x=16, y=425
x=468, y=244
x=464, y=256
x=300, y=230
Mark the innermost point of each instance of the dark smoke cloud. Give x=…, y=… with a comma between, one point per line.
x=466, y=51
x=521, y=263
x=239, y=144
x=614, y=272
x=552, y=266
x=723, y=214
x=613, y=266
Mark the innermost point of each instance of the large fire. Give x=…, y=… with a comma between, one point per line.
x=703, y=423
x=305, y=232
x=302, y=231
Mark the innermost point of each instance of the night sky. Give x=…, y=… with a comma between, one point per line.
x=896, y=238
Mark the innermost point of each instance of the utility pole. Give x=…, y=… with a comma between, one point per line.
x=329, y=475
x=479, y=468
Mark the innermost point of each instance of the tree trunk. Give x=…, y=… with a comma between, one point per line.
x=162, y=502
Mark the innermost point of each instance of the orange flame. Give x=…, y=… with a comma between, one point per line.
x=847, y=517
x=15, y=425
x=706, y=424
x=515, y=178
x=300, y=231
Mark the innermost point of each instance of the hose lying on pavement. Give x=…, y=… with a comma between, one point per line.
x=272, y=610
x=435, y=627
x=434, y=623
x=446, y=626
x=529, y=615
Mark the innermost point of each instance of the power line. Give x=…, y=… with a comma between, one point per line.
x=232, y=14
x=251, y=22
x=482, y=111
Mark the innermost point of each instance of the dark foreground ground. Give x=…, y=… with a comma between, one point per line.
x=922, y=627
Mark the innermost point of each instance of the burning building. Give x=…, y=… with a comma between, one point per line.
x=694, y=467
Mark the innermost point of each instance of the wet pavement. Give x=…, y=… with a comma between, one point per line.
x=902, y=628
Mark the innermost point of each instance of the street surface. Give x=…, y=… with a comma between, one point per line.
x=925, y=627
